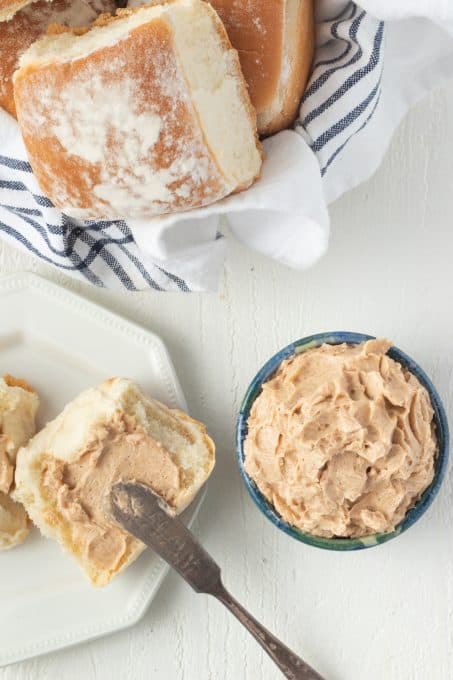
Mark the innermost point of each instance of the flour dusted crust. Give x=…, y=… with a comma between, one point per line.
x=18, y=406
x=111, y=432
x=146, y=113
x=29, y=24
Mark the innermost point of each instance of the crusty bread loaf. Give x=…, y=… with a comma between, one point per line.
x=147, y=113
x=107, y=434
x=29, y=24
x=275, y=41
x=18, y=406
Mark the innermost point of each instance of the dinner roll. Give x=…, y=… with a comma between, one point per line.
x=110, y=433
x=18, y=406
x=275, y=41
x=26, y=26
x=146, y=113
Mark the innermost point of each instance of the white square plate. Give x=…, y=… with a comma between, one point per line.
x=61, y=344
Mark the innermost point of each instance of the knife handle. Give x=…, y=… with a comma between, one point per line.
x=290, y=665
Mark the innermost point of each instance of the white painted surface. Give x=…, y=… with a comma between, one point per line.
x=382, y=614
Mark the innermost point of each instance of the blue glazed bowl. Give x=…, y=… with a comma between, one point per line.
x=267, y=371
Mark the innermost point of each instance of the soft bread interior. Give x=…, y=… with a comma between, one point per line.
x=18, y=406
x=210, y=68
x=14, y=523
x=66, y=442
x=227, y=119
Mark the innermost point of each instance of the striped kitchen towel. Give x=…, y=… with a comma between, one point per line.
x=356, y=96
x=345, y=87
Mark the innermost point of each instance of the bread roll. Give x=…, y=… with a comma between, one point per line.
x=147, y=113
x=18, y=406
x=275, y=41
x=107, y=434
x=29, y=24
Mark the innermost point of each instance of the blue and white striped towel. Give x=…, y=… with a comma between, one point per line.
x=366, y=74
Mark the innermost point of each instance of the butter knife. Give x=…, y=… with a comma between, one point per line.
x=140, y=512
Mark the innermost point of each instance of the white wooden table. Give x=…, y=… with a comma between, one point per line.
x=380, y=614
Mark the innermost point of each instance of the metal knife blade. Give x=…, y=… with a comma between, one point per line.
x=142, y=513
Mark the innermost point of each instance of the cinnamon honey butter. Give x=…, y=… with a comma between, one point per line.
x=118, y=451
x=341, y=440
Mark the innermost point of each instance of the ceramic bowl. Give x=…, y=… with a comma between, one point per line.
x=267, y=371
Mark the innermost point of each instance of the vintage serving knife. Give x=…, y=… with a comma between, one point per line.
x=146, y=516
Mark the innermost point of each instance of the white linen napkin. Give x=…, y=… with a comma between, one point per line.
x=366, y=75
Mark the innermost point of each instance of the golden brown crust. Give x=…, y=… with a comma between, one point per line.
x=246, y=98
x=105, y=19
x=148, y=70
x=59, y=29
x=257, y=29
x=28, y=25
x=142, y=53
x=11, y=381
x=302, y=53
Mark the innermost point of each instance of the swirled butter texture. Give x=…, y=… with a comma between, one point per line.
x=119, y=451
x=341, y=440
